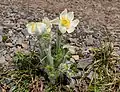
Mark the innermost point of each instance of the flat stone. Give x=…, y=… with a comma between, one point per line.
x=2, y=60
x=18, y=49
x=9, y=44
x=89, y=40
x=70, y=48
x=1, y=30
x=84, y=62
x=19, y=29
x=90, y=75
x=72, y=60
x=25, y=45
x=76, y=57
x=25, y=32
x=11, y=54
x=10, y=33
x=0, y=38
x=73, y=40
x=8, y=58
x=31, y=43
x=118, y=52
x=19, y=41
x=4, y=52
x=1, y=45
x=116, y=48
x=14, y=40
x=8, y=23
x=115, y=54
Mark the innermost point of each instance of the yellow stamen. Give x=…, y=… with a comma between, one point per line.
x=65, y=22
x=33, y=27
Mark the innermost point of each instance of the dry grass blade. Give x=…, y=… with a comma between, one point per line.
x=36, y=86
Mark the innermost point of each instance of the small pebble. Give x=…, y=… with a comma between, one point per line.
x=76, y=57
x=9, y=44
x=0, y=38
x=2, y=60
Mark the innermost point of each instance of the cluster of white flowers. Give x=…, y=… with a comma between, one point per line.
x=65, y=23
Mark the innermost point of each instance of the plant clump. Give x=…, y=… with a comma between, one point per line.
x=50, y=68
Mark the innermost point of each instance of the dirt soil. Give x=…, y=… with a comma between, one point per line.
x=94, y=12
x=97, y=17
x=98, y=14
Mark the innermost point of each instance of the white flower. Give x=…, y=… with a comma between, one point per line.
x=66, y=22
x=36, y=27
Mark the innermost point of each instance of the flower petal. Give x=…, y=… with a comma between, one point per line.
x=48, y=30
x=47, y=22
x=64, y=13
x=55, y=21
x=75, y=23
x=41, y=28
x=70, y=30
x=62, y=29
x=31, y=27
x=70, y=15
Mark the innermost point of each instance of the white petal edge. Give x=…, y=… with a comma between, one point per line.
x=70, y=30
x=29, y=31
x=47, y=22
x=62, y=29
x=70, y=15
x=64, y=13
x=48, y=30
x=55, y=21
x=75, y=23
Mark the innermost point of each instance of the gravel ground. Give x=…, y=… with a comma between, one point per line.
x=98, y=19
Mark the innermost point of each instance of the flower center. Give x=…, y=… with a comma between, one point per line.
x=65, y=22
x=33, y=27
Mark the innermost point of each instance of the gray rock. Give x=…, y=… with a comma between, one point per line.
x=1, y=30
x=89, y=40
x=19, y=41
x=73, y=40
x=9, y=44
x=2, y=60
x=118, y=52
x=25, y=45
x=31, y=43
x=8, y=58
x=90, y=75
x=2, y=45
x=72, y=60
x=75, y=57
x=14, y=40
x=8, y=23
x=21, y=35
x=10, y=33
x=4, y=52
x=19, y=29
x=82, y=63
x=0, y=38
x=25, y=32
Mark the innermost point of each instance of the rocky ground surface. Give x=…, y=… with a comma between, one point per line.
x=98, y=19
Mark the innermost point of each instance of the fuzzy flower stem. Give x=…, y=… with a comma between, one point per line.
x=50, y=58
x=58, y=41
